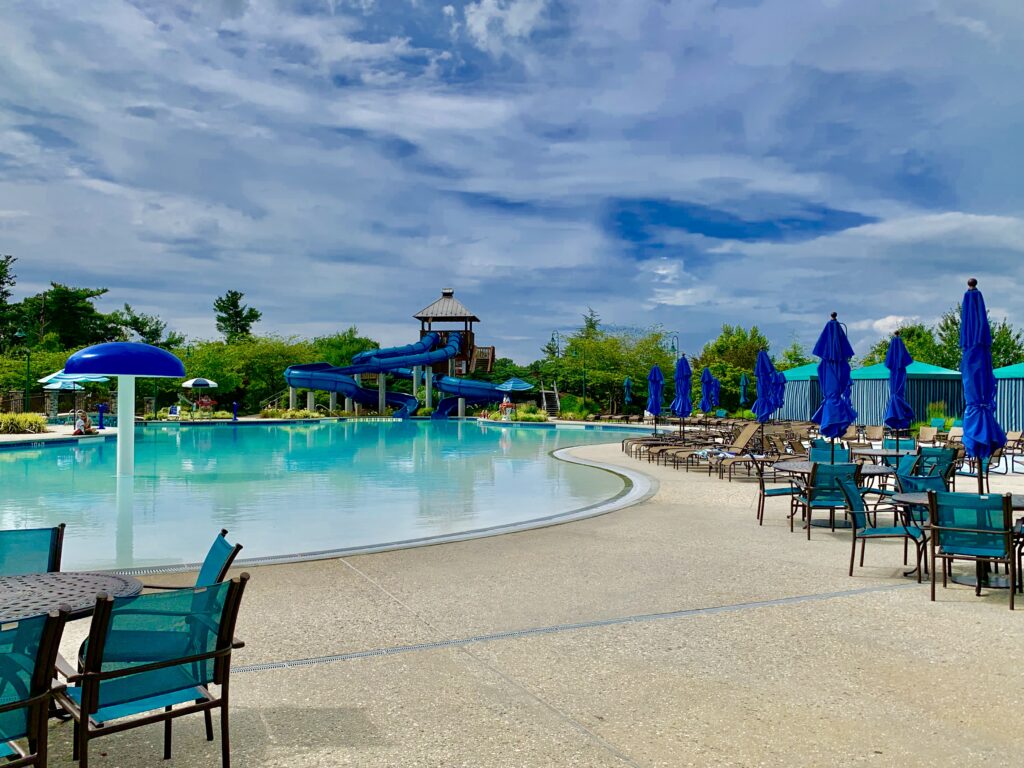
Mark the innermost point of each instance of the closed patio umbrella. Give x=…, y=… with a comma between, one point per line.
x=898, y=413
x=744, y=383
x=835, y=413
x=681, y=404
x=707, y=389
x=655, y=384
x=982, y=433
x=764, y=372
x=627, y=391
x=778, y=390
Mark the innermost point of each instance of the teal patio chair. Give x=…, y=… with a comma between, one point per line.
x=937, y=423
x=823, y=491
x=215, y=566
x=31, y=550
x=863, y=529
x=905, y=466
x=972, y=527
x=151, y=653
x=789, y=491
x=28, y=652
x=824, y=455
x=937, y=462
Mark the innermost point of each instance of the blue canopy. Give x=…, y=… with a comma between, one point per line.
x=655, y=383
x=682, y=405
x=982, y=433
x=898, y=413
x=514, y=385
x=744, y=383
x=716, y=391
x=125, y=358
x=60, y=376
x=627, y=391
x=764, y=372
x=778, y=390
x=707, y=388
x=836, y=412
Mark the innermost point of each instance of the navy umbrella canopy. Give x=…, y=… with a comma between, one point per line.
x=744, y=383
x=836, y=412
x=982, y=433
x=779, y=390
x=898, y=413
x=681, y=404
x=627, y=391
x=706, y=390
x=655, y=386
x=764, y=372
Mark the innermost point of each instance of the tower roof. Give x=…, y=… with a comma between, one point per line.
x=446, y=308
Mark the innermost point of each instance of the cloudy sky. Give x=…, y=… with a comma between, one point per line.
x=685, y=162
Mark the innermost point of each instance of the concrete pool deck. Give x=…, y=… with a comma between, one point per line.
x=675, y=632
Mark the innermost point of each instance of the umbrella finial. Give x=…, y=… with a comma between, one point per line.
x=896, y=332
x=973, y=284
x=834, y=315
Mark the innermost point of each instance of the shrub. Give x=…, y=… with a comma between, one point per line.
x=937, y=410
x=522, y=416
x=285, y=413
x=424, y=411
x=22, y=423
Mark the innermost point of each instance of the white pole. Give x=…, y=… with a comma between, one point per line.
x=125, y=426
x=348, y=405
x=291, y=398
x=359, y=383
x=462, y=407
x=415, y=380
x=428, y=385
x=382, y=400
x=311, y=400
x=334, y=401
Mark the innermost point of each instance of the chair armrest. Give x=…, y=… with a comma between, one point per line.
x=236, y=643
x=65, y=669
x=163, y=586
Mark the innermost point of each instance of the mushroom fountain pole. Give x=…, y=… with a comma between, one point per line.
x=125, y=426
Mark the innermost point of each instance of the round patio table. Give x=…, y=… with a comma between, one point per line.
x=35, y=593
x=993, y=580
x=883, y=453
x=799, y=467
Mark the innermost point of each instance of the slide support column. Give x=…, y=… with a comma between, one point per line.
x=428, y=385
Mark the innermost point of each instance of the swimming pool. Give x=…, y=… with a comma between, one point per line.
x=296, y=489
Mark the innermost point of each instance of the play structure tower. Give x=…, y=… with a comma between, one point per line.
x=446, y=312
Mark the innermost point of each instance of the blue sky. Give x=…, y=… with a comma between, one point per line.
x=676, y=163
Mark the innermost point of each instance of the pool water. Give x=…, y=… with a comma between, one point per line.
x=284, y=489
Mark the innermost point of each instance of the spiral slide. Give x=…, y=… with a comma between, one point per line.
x=396, y=361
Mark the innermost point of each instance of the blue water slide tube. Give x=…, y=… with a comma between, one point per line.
x=375, y=364
x=474, y=392
x=423, y=345
x=329, y=378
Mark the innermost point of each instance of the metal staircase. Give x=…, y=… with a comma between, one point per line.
x=550, y=402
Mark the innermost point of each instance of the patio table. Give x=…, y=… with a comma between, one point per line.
x=883, y=453
x=35, y=593
x=803, y=467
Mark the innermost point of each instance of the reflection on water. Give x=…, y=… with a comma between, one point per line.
x=291, y=488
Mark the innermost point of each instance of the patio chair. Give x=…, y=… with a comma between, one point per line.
x=790, y=490
x=972, y=527
x=28, y=652
x=174, y=412
x=863, y=528
x=740, y=444
x=824, y=455
x=937, y=461
x=985, y=466
x=927, y=435
x=938, y=423
x=31, y=550
x=215, y=566
x=852, y=433
x=874, y=433
x=906, y=465
x=823, y=491
x=151, y=653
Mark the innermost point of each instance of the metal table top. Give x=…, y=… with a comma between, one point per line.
x=804, y=468
x=35, y=593
x=921, y=499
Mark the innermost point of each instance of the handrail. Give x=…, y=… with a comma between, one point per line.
x=275, y=398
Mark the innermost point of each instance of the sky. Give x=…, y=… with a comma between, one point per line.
x=682, y=164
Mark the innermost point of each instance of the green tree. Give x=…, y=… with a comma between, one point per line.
x=68, y=312
x=920, y=342
x=235, y=319
x=728, y=356
x=1007, y=341
x=793, y=356
x=340, y=348
x=149, y=329
x=7, y=281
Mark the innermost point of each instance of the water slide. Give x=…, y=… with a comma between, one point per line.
x=396, y=361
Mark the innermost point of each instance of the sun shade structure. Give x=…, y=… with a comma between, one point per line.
x=836, y=412
x=63, y=386
x=59, y=376
x=898, y=413
x=982, y=433
x=779, y=390
x=1010, y=396
x=744, y=383
x=627, y=391
x=515, y=385
x=128, y=361
x=199, y=383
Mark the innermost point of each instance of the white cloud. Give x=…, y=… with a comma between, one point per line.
x=491, y=24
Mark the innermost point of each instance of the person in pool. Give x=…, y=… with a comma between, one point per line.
x=83, y=424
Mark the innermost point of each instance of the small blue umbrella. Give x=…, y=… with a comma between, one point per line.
x=655, y=384
x=514, y=384
x=744, y=383
x=627, y=391
x=836, y=413
x=778, y=390
x=982, y=433
x=681, y=404
x=764, y=372
x=707, y=388
x=898, y=413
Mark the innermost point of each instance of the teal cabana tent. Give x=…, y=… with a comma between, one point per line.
x=1010, y=396
x=803, y=393
x=925, y=384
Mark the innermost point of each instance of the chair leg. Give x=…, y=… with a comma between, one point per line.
x=208, y=717
x=225, y=737
x=933, y=575
x=862, y=543
x=82, y=742
x=853, y=552
x=167, y=736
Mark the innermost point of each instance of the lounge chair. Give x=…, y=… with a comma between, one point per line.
x=31, y=550
x=174, y=412
x=874, y=434
x=927, y=435
x=147, y=655
x=966, y=526
x=694, y=454
x=28, y=648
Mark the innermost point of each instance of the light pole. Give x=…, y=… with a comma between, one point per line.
x=673, y=339
x=21, y=336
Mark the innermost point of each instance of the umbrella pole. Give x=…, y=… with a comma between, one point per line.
x=833, y=459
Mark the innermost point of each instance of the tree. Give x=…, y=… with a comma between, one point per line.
x=793, y=356
x=7, y=281
x=920, y=342
x=149, y=329
x=340, y=348
x=729, y=356
x=67, y=312
x=234, y=319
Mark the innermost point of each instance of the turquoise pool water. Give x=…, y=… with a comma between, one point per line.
x=288, y=489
